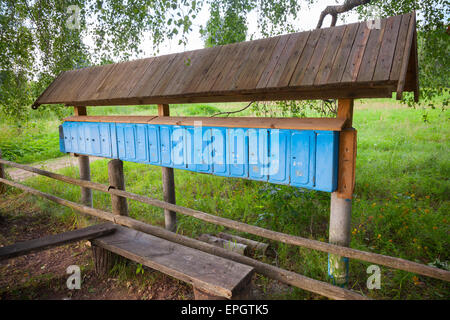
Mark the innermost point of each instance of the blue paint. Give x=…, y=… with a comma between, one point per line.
x=301, y=158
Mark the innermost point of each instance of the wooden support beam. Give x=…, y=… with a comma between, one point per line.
x=104, y=260
x=347, y=150
x=44, y=243
x=341, y=200
x=117, y=181
x=83, y=163
x=170, y=217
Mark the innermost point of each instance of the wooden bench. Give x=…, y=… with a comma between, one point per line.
x=44, y=243
x=212, y=277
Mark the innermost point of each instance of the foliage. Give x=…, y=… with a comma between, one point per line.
x=433, y=18
x=37, y=41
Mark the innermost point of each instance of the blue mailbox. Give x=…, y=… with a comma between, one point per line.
x=301, y=158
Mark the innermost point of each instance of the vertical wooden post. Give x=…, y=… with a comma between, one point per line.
x=83, y=163
x=117, y=181
x=168, y=182
x=104, y=260
x=341, y=200
x=2, y=175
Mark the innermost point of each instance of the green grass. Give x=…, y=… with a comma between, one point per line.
x=401, y=206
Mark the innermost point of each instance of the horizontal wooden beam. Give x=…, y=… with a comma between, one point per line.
x=331, y=124
x=44, y=243
x=392, y=262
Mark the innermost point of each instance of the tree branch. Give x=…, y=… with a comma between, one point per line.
x=333, y=11
x=231, y=112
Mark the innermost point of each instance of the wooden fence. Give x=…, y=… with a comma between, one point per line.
x=282, y=275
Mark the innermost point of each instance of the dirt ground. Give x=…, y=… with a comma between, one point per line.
x=42, y=275
x=51, y=165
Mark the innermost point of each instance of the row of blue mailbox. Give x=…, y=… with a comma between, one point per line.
x=301, y=158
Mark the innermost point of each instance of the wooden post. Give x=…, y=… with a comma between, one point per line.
x=341, y=200
x=83, y=163
x=104, y=260
x=168, y=182
x=117, y=181
x=2, y=175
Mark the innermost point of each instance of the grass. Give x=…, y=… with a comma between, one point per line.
x=401, y=205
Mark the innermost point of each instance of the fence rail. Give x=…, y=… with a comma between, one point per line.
x=285, y=276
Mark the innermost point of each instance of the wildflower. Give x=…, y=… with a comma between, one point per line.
x=416, y=280
x=379, y=236
x=390, y=240
x=374, y=204
x=428, y=197
x=412, y=195
x=426, y=211
x=434, y=228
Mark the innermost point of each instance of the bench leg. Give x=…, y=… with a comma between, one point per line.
x=104, y=260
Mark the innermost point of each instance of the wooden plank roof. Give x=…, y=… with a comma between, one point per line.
x=359, y=60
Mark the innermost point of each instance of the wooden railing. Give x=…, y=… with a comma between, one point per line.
x=282, y=275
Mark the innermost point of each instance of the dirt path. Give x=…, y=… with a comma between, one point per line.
x=50, y=165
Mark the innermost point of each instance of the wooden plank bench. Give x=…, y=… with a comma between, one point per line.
x=212, y=277
x=25, y=247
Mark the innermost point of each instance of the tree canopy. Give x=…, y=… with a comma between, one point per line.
x=41, y=38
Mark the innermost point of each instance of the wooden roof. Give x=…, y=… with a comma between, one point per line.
x=356, y=60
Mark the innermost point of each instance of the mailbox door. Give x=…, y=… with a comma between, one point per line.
x=105, y=140
x=238, y=152
x=67, y=137
x=178, y=147
x=327, y=160
x=279, y=155
x=166, y=157
x=77, y=133
x=94, y=132
x=258, y=153
x=130, y=142
x=141, y=143
x=203, y=149
x=302, y=158
x=219, y=151
x=153, y=144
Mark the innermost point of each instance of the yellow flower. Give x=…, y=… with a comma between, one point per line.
x=379, y=236
x=416, y=280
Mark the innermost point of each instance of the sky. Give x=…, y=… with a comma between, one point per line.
x=307, y=20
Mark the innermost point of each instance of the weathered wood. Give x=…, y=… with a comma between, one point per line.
x=406, y=56
x=256, y=246
x=104, y=260
x=168, y=182
x=332, y=124
x=209, y=273
x=392, y=262
x=246, y=71
x=347, y=163
x=224, y=243
x=347, y=151
x=83, y=164
x=345, y=112
x=117, y=181
x=44, y=243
